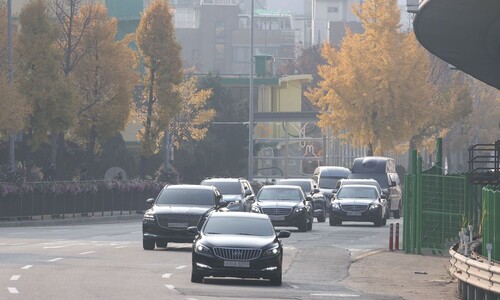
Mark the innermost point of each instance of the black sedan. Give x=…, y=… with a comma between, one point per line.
x=237, y=244
x=309, y=187
x=175, y=209
x=286, y=205
x=358, y=203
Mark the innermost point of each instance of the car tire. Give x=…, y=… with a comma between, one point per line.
x=334, y=222
x=303, y=225
x=161, y=244
x=277, y=279
x=148, y=244
x=196, y=278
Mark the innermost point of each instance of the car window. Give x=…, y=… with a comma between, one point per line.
x=328, y=182
x=356, y=192
x=239, y=226
x=186, y=197
x=381, y=178
x=305, y=185
x=279, y=194
x=226, y=187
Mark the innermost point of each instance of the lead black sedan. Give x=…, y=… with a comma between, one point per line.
x=237, y=244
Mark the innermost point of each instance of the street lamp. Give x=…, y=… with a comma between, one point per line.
x=250, y=101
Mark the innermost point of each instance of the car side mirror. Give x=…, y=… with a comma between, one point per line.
x=251, y=198
x=393, y=183
x=315, y=190
x=283, y=234
x=383, y=196
x=150, y=201
x=247, y=192
x=334, y=191
x=223, y=203
x=309, y=198
x=193, y=230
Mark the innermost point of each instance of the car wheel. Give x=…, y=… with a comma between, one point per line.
x=196, y=278
x=276, y=280
x=303, y=225
x=335, y=222
x=148, y=244
x=161, y=244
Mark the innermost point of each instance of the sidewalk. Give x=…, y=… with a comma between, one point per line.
x=410, y=276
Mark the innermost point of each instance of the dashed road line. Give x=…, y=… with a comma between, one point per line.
x=170, y=287
x=55, y=259
x=180, y=267
x=294, y=286
x=88, y=252
x=337, y=295
x=13, y=290
x=120, y=247
x=19, y=244
x=15, y=277
x=26, y=267
x=166, y=275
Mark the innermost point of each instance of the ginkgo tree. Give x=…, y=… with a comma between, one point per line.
x=104, y=77
x=160, y=54
x=374, y=90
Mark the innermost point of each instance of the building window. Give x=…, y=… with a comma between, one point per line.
x=333, y=9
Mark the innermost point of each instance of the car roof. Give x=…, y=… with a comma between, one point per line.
x=220, y=179
x=281, y=186
x=360, y=180
x=359, y=186
x=189, y=187
x=334, y=171
x=225, y=214
x=285, y=180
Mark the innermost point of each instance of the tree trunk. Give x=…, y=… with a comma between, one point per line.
x=91, y=151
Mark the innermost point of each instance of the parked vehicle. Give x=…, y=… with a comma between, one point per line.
x=175, y=209
x=358, y=203
x=286, y=205
x=234, y=191
x=320, y=203
x=326, y=178
x=237, y=244
x=383, y=170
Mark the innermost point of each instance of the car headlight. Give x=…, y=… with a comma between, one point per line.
x=202, y=249
x=272, y=252
x=255, y=209
x=149, y=216
x=374, y=205
x=299, y=209
x=335, y=205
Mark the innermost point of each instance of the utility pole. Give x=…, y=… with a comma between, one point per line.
x=12, y=135
x=250, y=102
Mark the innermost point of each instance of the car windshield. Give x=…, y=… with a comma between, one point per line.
x=328, y=182
x=357, y=192
x=186, y=197
x=305, y=185
x=279, y=194
x=226, y=188
x=380, y=178
x=239, y=226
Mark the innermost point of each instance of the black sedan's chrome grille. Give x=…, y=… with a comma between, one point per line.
x=355, y=207
x=276, y=211
x=237, y=253
x=178, y=220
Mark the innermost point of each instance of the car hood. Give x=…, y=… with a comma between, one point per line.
x=278, y=203
x=236, y=241
x=231, y=197
x=180, y=209
x=355, y=201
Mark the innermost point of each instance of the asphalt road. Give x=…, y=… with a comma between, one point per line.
x=106, y=261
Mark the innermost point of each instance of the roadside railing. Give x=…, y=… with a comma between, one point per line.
x=478, y=277
x=39, y=200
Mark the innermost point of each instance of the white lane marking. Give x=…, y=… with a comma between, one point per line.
x=1, y=244
x=15, y=277
x=19, y=244
x=191, y=299
x=13, y=290
x=166, y=275
x=180, y=267
x=294, y=286
x=88, y=252
x=26, y=267
x=120, y=247
x=336, y=295
x=170, y=287
x=55, y=259
x=53, y=247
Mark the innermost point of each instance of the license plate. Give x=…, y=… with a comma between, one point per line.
x=277, y=218
x=354, y=213
x=236, y=264
x=178, y=225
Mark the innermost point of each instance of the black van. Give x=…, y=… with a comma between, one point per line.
x=383, y=170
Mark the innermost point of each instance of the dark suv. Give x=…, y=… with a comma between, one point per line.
x=235, y=191
x=309, y=187
x=175, y=209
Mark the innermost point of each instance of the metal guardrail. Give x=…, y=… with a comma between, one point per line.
x=478, y=278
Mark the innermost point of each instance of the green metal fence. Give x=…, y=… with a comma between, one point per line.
x=491, y=221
